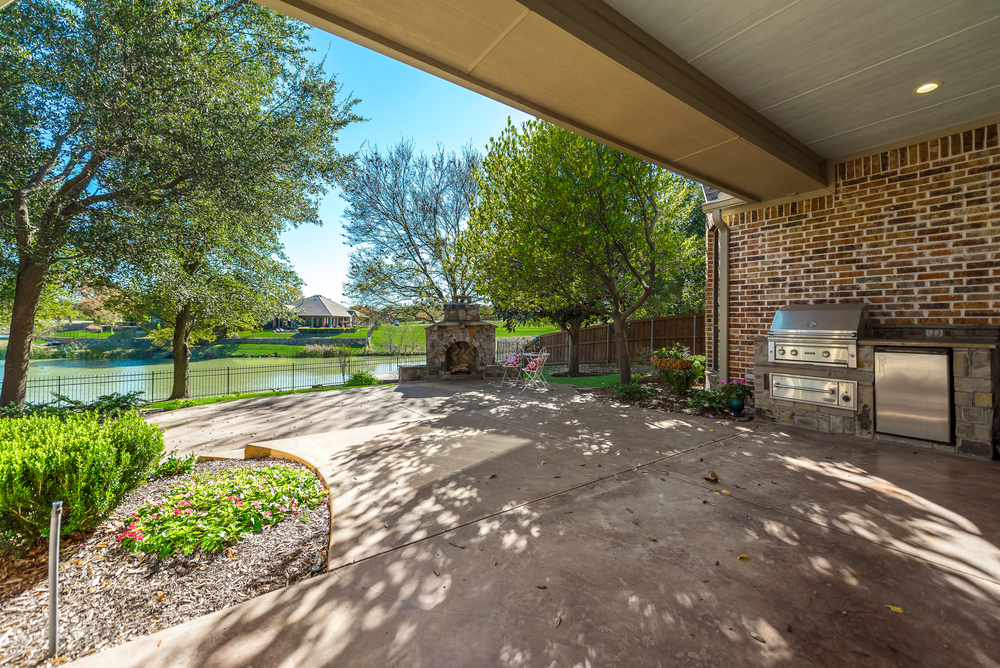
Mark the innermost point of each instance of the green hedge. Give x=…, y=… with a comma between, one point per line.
x=87, y=462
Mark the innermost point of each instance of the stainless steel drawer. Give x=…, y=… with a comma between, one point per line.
x=812, y=390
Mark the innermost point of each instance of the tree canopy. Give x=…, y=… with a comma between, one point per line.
x=406, y=212
x=563, y=222
x=113, y=106
x=203, y=269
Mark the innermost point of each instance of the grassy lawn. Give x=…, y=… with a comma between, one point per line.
x=360, y=334
x=84, y=334
x=246, y=350
x=610, y=380
x=261, y=334
x=502, y=332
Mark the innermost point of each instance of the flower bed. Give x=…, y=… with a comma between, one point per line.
x=212, y=510
x=110, y=595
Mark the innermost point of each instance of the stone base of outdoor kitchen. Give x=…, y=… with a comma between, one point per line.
x=410, y=374
x=975, y=375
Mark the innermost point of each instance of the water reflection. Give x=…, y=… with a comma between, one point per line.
x=85, y=380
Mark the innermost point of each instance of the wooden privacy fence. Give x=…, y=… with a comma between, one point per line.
x=597, y=343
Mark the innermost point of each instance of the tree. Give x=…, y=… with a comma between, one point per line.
x=405, y=215
x=97, y=304
x=203, y=269
x=111, y=104
x=572, y=220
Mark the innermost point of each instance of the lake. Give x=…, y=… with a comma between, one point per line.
x=85, y=380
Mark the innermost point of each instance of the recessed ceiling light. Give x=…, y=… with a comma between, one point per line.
x=927, y=87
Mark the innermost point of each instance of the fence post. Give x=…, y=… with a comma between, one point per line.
x=152, y=386
x=228, y=391
x=651, y=328
x=293, y=376
x=694, y=336
x=607, y=343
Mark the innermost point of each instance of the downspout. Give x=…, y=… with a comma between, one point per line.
x=720, y=320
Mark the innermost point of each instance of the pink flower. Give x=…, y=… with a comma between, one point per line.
x=177, y=511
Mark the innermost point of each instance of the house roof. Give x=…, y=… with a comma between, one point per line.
x=319, y=306
x=750, y=97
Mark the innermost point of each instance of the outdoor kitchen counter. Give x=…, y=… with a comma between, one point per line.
x=975, y=374
x=910, y=343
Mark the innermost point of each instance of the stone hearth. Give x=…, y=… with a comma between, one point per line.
x=459, y=347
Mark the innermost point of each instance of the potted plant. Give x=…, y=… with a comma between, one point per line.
x=735, y=392
x=676, y=358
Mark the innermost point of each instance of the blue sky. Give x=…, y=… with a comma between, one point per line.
x=400, y=102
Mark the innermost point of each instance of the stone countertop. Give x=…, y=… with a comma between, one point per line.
x=924, y=343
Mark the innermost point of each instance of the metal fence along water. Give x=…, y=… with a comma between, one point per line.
x=157, y=385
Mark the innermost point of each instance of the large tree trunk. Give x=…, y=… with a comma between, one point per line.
x=182, y=354
x=621, y=343
x=574, y=347
x=27, y=296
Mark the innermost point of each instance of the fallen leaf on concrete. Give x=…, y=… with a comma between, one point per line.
x=558, y=621
x=726, y=491
x=895, y=609
x=461, y=547
x=386, y=524
x=711, y=477
x=435, y=572
x=540, y=587
x=543, y=463
x=493, y=476
x=653, y=540
x=758, y=638
x=629, y=509
x=744, y=557
x=635, y=522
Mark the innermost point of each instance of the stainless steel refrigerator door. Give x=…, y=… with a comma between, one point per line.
x=913, y=395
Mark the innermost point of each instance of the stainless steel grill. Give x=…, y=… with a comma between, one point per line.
x=820, y=334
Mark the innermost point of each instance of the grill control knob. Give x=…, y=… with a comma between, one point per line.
x=826, y=353
x=846, y=398
x=794, y=352
x=781, y=351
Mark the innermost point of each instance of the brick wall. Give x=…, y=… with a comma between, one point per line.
x=913, y=231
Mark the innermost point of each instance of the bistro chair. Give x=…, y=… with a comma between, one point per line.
x=534, y=371
x=511, y=369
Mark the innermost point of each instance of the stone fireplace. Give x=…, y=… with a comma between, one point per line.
x=460, y=347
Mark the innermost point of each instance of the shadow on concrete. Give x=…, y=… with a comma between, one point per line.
x=589, y=549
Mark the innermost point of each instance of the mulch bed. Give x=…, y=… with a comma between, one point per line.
x=108, y=596
x=664, y=400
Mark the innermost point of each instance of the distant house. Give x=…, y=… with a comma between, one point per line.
x=318, y=311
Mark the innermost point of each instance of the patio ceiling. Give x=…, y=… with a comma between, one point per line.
x=749, y=96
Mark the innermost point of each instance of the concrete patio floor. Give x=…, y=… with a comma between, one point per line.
x=480, y=527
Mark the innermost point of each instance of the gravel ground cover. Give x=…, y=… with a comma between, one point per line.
x=108, y=596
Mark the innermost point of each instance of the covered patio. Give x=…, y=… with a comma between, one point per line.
x=475, y=526
x=851, y=152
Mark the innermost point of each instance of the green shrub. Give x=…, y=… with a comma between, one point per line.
x=174, y=464
x=679, y=381
x=174, y=404
x=362, y=377
x=87, y=462
x=711, y=399
x=212, y=509
x=634, y=392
